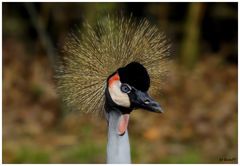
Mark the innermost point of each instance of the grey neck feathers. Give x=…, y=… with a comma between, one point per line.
x=118, y=148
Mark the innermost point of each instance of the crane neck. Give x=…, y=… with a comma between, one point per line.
x=118, y=148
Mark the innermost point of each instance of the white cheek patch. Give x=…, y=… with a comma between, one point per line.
x=117, y=95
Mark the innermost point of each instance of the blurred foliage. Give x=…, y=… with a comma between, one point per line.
x=200, y=98
x=189, y=54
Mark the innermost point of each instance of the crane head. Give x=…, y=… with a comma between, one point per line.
x=128, y=90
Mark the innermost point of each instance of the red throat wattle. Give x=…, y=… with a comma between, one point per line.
x=123, y=124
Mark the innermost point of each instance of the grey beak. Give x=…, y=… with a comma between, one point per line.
x=141, y=99
x=154, y=106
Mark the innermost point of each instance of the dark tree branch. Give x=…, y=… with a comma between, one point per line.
x=43, y=36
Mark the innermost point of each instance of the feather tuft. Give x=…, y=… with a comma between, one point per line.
x=93, y=54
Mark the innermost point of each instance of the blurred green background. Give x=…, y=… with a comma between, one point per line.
x=200, y=97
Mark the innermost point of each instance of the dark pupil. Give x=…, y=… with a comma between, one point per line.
x=125, y=88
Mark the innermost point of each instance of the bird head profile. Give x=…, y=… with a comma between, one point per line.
x=112, y=69
x=127, y=90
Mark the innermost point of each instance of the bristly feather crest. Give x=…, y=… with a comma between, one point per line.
x=93, y=54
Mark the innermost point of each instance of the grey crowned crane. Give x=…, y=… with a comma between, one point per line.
x=108, y=69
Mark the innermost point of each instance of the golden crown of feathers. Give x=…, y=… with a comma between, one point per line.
x=94, y=53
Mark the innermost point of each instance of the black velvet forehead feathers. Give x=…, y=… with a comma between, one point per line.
x=135, y=75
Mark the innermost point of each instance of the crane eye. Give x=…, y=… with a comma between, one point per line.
x=126, y=88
